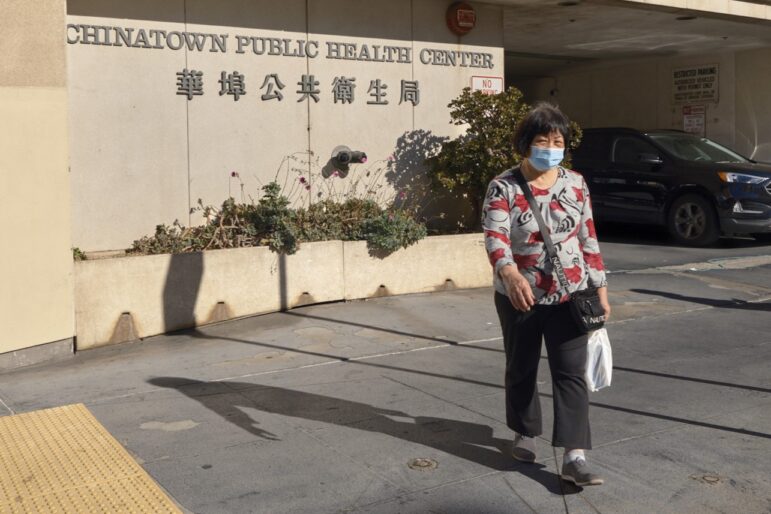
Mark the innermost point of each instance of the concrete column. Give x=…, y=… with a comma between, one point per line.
x=36, y=296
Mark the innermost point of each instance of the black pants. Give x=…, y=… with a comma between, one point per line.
x=566, y=349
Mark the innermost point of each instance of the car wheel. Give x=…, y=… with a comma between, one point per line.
x=763, y=238
x=692, y=221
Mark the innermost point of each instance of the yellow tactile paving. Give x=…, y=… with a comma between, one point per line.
x=63, y=460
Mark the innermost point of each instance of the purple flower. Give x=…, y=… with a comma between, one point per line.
x=308, y=187
x=302, y=180
x=402, y=195
x=335, y=173
x=234, y=174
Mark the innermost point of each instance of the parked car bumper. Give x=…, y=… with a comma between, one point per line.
x=756, y=221
x=745, y=226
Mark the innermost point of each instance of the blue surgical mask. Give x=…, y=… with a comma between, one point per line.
x=544, y=159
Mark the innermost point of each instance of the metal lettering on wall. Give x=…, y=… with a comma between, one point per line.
x=218, y=43
x=190, y=83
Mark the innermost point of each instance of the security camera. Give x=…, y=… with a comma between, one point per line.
x=343, y=157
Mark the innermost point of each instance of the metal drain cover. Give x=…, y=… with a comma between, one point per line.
x=708, y=478
x=422, y=464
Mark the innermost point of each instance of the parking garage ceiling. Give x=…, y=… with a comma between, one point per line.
x=541, y=36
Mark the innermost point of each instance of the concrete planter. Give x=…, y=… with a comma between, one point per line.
x=433, y=264
x=127, y=298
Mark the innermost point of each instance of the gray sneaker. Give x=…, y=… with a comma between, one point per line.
x=524, y=448
x=578, y=472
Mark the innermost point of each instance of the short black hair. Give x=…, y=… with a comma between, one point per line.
x=544, y=118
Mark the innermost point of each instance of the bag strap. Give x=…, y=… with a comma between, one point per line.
x=551, y=251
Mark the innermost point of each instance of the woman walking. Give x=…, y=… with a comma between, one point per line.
x=531, y=303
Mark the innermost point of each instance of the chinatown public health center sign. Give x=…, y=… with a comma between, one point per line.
x=192, y=83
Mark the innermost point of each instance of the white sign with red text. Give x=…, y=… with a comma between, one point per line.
x=487, y=85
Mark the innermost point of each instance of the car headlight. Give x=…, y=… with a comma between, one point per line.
x=740, y=178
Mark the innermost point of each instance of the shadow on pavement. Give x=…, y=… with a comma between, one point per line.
x=470, y=441
x=692, y=379
x=724, y=304
x=687, y=379
x=354, y=360
x=449, y=342
x=423, y=372
x=628, y=233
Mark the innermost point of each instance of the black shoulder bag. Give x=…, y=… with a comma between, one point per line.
x=585, y=305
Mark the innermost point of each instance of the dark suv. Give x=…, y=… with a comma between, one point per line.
x=695, y=187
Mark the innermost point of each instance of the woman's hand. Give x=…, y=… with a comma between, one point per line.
x=603, y=294
x=518, y=288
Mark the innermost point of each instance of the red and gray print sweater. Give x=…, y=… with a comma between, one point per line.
x=512, y=235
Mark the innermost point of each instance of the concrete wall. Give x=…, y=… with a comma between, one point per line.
x=734, y=8
x=143, y=155
x=638, y=93
x=753, y=104
x=123, y=299
x=36, y=305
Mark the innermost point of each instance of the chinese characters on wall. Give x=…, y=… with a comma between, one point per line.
x=190, y=83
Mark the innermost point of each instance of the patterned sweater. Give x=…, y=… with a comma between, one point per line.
x=512, y=235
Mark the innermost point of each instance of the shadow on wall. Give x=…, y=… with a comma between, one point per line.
x=470, y=441
x=180, y=292
x=183, y=285
x=408, y=175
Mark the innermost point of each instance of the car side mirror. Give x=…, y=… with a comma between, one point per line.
x=649, y=158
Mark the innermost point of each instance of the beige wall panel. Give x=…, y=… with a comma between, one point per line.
x=374, y=129
x=128, y=132
x=435, y=264
x=749, y=9
x=31, y=43
x=753, y=104
x=578, y=101
x=439, y=83
x=157, y=152
x=625, y=97
x=171, y=292
x=720, y=117
x=36, y=275
x=250, y=136
x=638, y=94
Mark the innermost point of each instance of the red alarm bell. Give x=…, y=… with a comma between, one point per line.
x=461, y=18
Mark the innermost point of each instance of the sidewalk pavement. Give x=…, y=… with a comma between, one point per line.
x=326, y=408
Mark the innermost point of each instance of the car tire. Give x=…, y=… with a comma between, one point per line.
x=763, y=238
x=692, y=221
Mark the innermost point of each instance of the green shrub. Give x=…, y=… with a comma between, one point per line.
x=271, y=222
x=329, y=220
x=390, y=231
x=468, y=162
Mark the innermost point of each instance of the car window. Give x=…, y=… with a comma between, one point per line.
x=692, y=148
x=627, y=149
x=594, y=146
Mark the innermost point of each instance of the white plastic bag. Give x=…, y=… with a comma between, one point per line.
x=599, y=361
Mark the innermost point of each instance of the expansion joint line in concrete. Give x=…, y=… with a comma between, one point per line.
x=444, y=400
x=6, y=406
